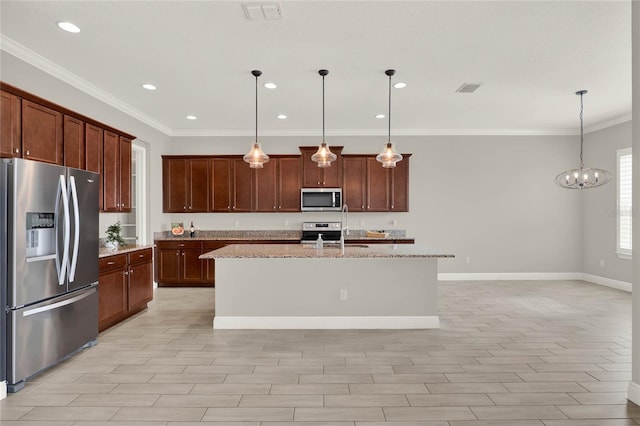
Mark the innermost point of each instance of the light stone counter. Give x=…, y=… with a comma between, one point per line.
x=329, y=251
x=288, y=286
x=104, y=251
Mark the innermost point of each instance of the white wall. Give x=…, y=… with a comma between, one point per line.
x=490, y=198
x=599, y=205
x=26, y=77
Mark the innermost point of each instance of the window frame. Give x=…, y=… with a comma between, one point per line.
x=622, y=253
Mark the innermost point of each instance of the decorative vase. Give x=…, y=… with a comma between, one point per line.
x=111, y=244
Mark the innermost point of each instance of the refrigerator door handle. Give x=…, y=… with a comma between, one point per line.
x=62, y=266
x=76, y=237
x=57, y=304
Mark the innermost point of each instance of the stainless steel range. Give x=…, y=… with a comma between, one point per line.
x=330, y=232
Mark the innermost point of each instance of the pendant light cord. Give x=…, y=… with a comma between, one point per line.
x=389, y=134
x=581, y=131
x=256, y=109
x=323, y=109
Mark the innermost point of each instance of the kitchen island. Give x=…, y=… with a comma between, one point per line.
x=294, y=286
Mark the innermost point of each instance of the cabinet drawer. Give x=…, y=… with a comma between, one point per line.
x=140, y=256
x=118, y=261
x=179, y=245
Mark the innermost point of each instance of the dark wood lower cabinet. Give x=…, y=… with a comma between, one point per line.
x=125, y=286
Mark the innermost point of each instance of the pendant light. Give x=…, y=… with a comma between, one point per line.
x=389, y=157
x=582, y=178
x=323, y=155
x=256, y=157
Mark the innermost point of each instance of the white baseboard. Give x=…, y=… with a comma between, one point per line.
x=607, y=282
x=534, y=276
x=633, y=393
x=388, y=322
x=3, y=390
x=509, y=276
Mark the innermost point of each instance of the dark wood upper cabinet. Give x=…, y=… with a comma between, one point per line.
x=399, y=185
x=174, y=185
x=242, y=186
x=116, y=173
x=93, y=153
x=185, y=185
x=41, y=133
x=354, y=185
x=220, y=185
x=377, y=186
x=73, y=142
x=289, y=183
x=277, y=185
x=266, y=187
x=10, y=125
x=319, y=177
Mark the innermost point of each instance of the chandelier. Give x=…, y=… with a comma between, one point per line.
x=389, y=157
x=582, y=177
x=323, y=156
x=256, y=157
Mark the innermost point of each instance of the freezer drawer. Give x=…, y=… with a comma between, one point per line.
x=46, y=332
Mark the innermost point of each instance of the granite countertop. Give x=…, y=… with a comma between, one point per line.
x=275, y=235
x=308, y=251
x=105, y=252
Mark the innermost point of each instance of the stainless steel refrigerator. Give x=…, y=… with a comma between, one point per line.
x=48, y=264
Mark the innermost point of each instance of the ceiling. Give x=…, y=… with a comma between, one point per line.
x=530, y=56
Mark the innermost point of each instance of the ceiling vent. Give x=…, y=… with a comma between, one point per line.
x=262, y=11
x=468, y=87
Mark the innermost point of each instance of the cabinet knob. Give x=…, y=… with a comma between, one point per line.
x=111, y=263
x=126, y=272
x=190, y=208
x=17, y=150
x=141, y=255
x=177, y=253
x=184, y=207
x=131, y=271
x=362, y=207
x=28, y=152
x=180, y=245
x=183, y=254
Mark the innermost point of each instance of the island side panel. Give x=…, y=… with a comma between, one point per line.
x=302, y=292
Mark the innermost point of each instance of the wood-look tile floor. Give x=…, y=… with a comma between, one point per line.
x=508, y=353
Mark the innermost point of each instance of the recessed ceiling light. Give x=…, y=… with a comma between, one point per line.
x=191, y=117
x=282, y=116
x=270, y=85
x=380, y=116
x=68, y=27
x=149, y=86
x=400, y=85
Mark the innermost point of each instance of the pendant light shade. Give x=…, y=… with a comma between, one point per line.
x=256, y=157
x=389, y=157
x=582, y=177
x=323, y=156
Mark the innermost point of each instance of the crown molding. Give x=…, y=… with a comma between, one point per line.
x=609, y=123
x=32, y=58
x=370, y=132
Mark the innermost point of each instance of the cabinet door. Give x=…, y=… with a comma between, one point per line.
x=377, y=186
x=209, y=264
x=311, y=173
x=174, y=185
x=10, y=125
x=93, y=152
x=221, y=184
x=112, y=297
x=353, y=187
x=266, y=187
x=41, y=133
x=198, y=186
x=190, y=266
x=289, y=183
x=111, y=172
x=242, y=186
x=332, y=176
x=125, y=174
x=140, y=285
x=73, y=141
x=168, y=264
x=400, y=186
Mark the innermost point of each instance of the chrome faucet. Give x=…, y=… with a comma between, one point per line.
x=344, y=225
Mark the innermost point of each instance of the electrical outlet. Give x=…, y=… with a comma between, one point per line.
x=468, y=259
x=343, y=294
x=602, y=262
x=394, y=222
x=286, y=222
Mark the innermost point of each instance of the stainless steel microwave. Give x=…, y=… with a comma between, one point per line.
x=321, y=199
